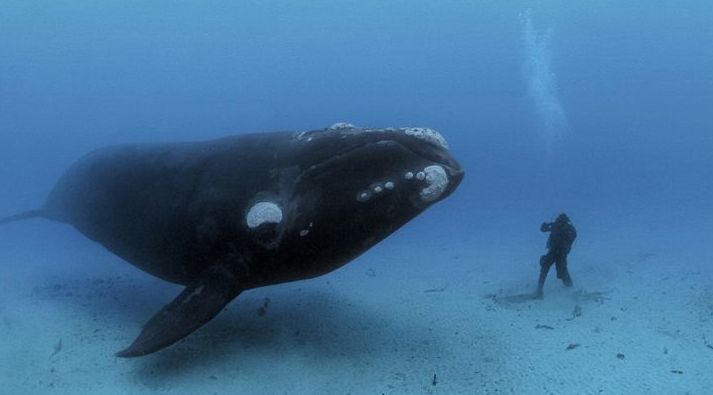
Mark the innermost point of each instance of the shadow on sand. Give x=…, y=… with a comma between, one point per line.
x=309, y=323
x=314, y=326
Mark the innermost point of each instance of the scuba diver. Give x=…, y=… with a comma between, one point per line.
x=562, y=235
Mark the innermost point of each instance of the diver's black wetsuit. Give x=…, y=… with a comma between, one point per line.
x=562, y=235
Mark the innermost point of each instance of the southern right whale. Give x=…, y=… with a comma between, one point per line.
x=240, y=212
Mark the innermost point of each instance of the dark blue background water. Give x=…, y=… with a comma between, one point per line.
x=634, y=80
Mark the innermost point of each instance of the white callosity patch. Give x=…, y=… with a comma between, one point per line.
x=420, y=176
x=342, y=125
x=345, y=129
x=437, y=181
x=305, y=136
x=338, y=128
x=375, y=189
x=408, y=175
x=363, y=196
x=262, y=213
x=427, y=134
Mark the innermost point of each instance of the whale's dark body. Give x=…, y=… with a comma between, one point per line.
x=241, y=212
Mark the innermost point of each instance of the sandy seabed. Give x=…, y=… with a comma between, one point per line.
x=408, y=317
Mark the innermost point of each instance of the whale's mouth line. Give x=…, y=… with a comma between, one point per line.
x=436, y=156
x=324, y=165
x=426, y=153
x=418, y=148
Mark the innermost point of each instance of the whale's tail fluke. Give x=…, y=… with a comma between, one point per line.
x=25, y=215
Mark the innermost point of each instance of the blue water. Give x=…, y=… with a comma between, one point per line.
x=603, y=110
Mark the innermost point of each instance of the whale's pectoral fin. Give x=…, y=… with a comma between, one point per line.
x=195, y=306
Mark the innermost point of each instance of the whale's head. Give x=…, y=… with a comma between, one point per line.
x=358, y=185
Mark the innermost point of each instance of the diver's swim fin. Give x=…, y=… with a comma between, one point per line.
x=195, y=306
x=21, y=216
